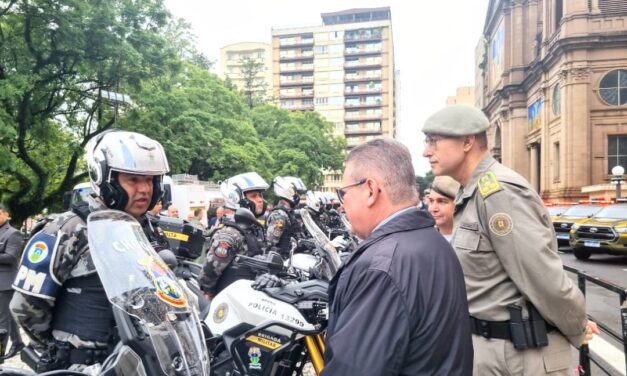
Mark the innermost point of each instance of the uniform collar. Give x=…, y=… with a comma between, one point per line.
x=469, y=189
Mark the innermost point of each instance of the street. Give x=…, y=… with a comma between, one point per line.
x=602, y=304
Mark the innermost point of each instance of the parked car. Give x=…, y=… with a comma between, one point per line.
x=573, y=214
x=604, y=233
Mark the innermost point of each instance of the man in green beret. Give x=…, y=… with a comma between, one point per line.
x=524, y=310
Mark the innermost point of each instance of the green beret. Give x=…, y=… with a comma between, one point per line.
x=456, y=120
x=446, y=186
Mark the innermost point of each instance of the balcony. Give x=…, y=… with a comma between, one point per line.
x=302, y=42
x=300, y=107
x=363, y=65
x=294, y=57
x=294, y=95
x=361, y=77
x=363, y=105
x=299, y=68
x=363, y=90
x=362, y=130
x=364, y=35
x=362, y=117
x=362, y=51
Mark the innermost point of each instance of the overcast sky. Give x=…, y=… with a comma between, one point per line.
x=434, y=44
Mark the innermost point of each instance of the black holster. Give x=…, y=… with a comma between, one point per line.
x=528, y=333
x=56, y=356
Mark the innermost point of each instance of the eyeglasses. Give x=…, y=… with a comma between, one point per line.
x=342, y=191
x=432, y=141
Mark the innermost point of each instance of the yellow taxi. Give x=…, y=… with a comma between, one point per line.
x=563, y=222
x=605, y=232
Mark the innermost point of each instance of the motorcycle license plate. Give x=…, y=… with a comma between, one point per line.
x=563, y=236
x=592, y=243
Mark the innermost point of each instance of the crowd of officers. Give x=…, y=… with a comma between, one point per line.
x=524, y=312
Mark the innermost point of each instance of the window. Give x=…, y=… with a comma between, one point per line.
x=557, y=100
x=321, y=50
x=336, y=49
x=336, y=101
x=616, y=152
x=613, y=87
x=559, y=12
x=322, y=101
x=556, y=162
x=336, y=75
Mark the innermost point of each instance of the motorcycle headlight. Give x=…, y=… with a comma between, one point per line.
x=621, y=230
x=574, y=227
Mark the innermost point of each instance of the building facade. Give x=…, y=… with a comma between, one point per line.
x=343, y=69
x=553, y=81
x=248, y=66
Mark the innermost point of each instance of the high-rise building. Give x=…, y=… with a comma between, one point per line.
x=463, y=95
x=257, y=78
x=553, y=81
x=343, y=69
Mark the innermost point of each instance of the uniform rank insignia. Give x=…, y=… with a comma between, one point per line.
x=488, y=184
x=501, y=224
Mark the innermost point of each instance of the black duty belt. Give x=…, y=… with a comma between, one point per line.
x=495, y=329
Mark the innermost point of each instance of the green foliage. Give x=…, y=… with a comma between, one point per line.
x=255, y=88
x=425, y=182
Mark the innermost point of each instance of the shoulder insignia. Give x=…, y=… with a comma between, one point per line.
x=501, y=224
x=488, y=184
x=34, y=276
x=222, y=249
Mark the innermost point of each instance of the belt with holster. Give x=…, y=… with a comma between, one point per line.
x=524, y=334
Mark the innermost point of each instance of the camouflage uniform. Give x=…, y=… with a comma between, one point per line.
x=226, y=243
x=280, y=227
x=34, y=305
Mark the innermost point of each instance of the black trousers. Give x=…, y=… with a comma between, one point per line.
x=6, y=320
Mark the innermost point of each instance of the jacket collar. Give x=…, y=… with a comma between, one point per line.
x=412, y=219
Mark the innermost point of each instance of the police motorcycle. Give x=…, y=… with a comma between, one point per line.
x=158, y=332
x=277, y=331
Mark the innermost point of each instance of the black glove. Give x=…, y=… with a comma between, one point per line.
x=267, y=280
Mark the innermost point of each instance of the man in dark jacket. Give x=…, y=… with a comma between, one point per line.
x=398, y=304
x=10, y=253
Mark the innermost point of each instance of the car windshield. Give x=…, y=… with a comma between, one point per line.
x=556, y=210
x=613, y=212
x=582, y=211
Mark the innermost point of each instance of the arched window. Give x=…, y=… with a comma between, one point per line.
x=613, y=87
x=557, y=100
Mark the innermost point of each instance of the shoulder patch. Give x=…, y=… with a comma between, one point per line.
x=34, y=276
x=488, y=184
x=501, y=224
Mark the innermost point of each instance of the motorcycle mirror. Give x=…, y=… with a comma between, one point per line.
x=275, y=258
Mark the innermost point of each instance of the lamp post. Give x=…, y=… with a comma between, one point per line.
x=617, y=178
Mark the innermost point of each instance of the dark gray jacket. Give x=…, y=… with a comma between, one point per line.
x=398, y=306
x=10, y=254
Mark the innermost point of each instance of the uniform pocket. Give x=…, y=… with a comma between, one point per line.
x=557, y=361
x=477, y=258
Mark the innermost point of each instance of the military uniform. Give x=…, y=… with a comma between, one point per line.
x=505, y=242
x=59, y=295
x=227, y=242
x=281, y=227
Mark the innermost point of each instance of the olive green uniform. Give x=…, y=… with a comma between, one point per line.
x=506, y=245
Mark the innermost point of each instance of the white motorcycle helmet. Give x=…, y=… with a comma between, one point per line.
x=117, y=151
x=234, y=188
x=313, y=202
x=289, y=188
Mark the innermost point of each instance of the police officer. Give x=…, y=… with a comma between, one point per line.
x=282, y=224
x=524, y=309
x=233, y=238
x=315, y=203
x=66, y=310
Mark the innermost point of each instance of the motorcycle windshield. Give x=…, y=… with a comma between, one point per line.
x=330, y=253
x=137, y=281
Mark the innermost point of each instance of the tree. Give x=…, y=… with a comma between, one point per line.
x=58, y=61
x=425, y=182
x=301, y=143
x=255, y=87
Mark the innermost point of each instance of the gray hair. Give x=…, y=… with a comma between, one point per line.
x=391, y=161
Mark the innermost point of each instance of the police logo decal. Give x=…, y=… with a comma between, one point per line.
x=254, y=354
x=37, y=252
x=222, y=310
x=166, y=288
x=501, y=224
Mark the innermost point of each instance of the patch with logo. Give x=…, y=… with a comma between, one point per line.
x=254, y=355
x=222, y=250
x=488, y=184
x=166, y=287
x=278, y=228
x=37, y=252
x=222, y=310
x=501, y=224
